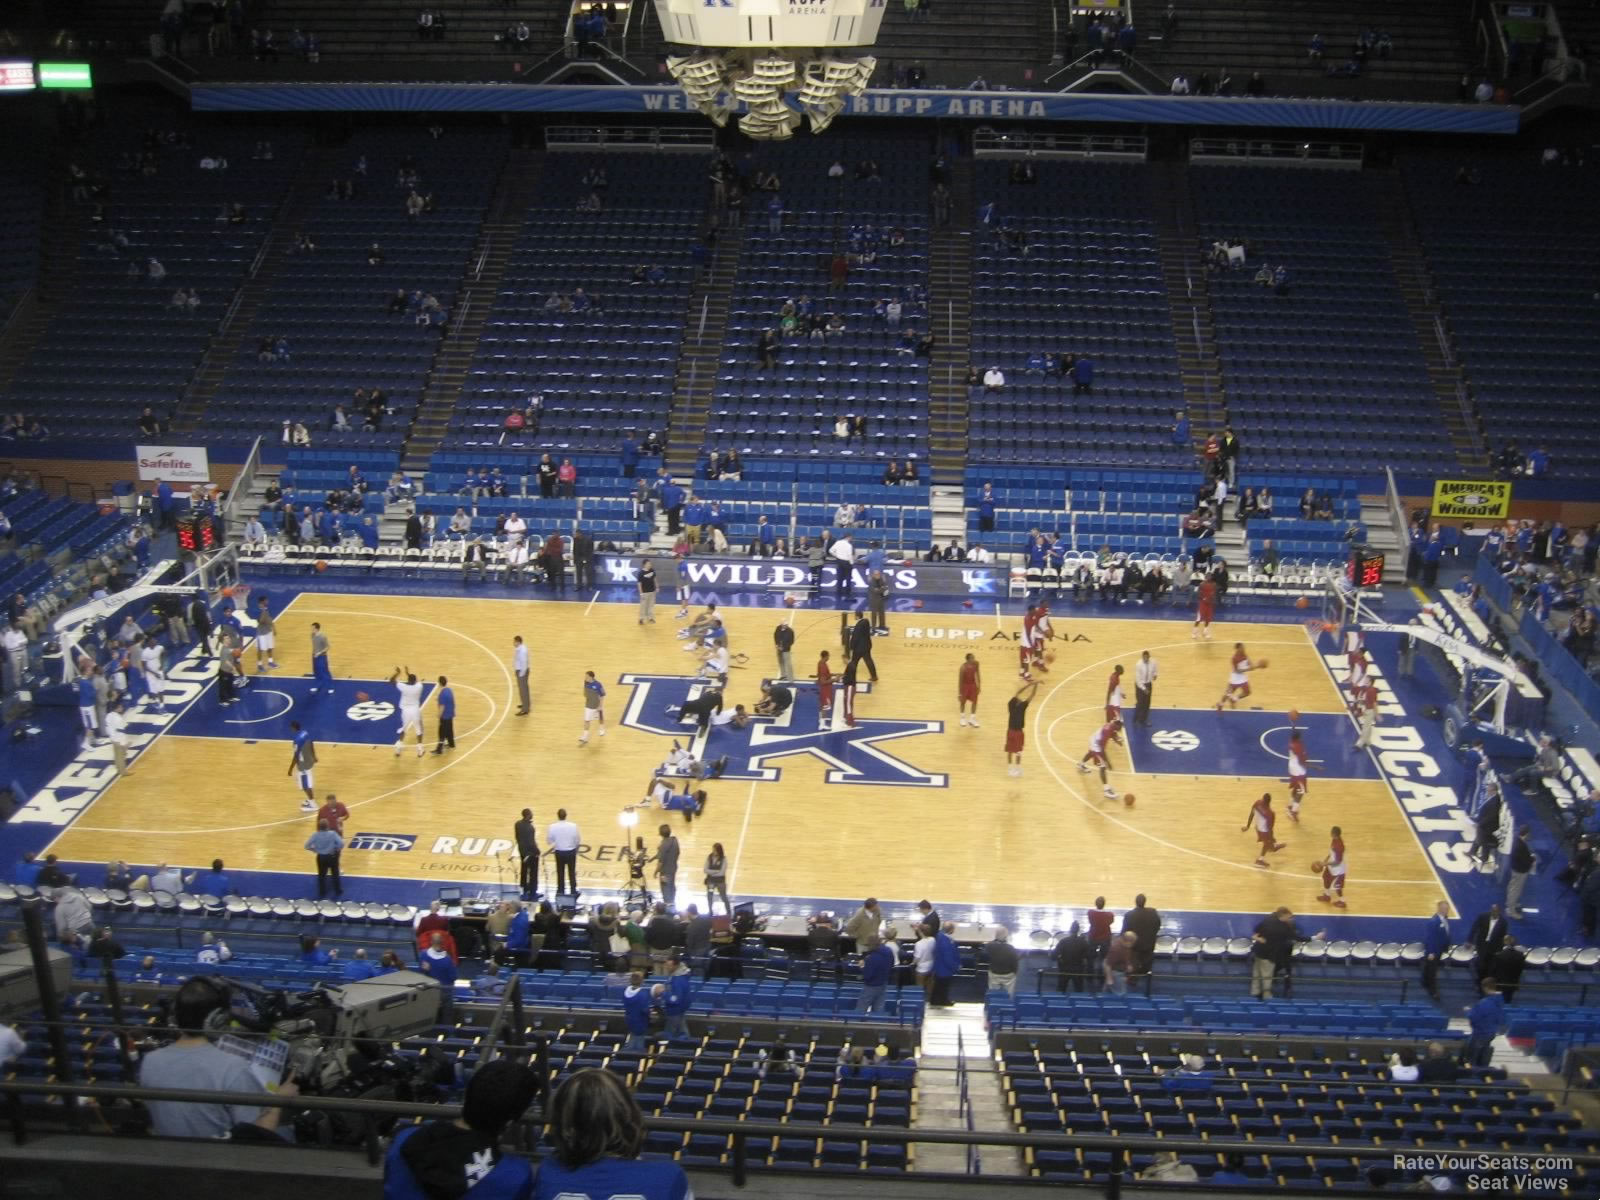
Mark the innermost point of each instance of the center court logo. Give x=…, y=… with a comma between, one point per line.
x=756, y=752
x=370, y=710
x=393, y=843
x=1175, y=739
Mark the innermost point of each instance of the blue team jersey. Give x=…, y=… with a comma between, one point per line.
x=611, y=1179
x=447, y=704
x=509, y=1179
x=85, y=692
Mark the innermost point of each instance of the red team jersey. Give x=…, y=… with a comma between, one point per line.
x=969, y=681
x=1207, y=598
x=1263, y=818
x=824, y=683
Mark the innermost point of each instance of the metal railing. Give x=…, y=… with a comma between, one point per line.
x=964, y=1104
x=1446, y=351
x=991, y=143
x=630, y=137
x=1276, y=152
x=741, y=1133
x=241, y=486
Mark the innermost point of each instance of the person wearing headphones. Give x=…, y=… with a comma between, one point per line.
x=193, y=1063
x=463, y=1157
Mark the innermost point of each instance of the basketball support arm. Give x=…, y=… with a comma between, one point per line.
x=1506, y=671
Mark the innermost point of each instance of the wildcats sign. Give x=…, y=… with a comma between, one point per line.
x=851, y=755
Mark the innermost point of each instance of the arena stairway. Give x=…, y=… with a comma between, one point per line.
x=480, y=281
x=948, y=1035
x=705, y=325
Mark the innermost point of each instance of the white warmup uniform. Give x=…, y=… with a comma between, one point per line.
x=410, y=708
x=155, y=677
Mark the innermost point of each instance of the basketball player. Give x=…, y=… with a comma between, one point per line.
x=1366, y=704
x=594, y=695
x=1016, y=721
x=410, y=709
x=968, y=684
x=847, y=685
x=266, y=637
x=1359, y=674
x=1205, y=608
x=1025, y=648
x=1239, y=670
x=1297, y=773
x=1264, y=819
x=302, y=759
x=320, y=671
x=1115, y=698
x=155, y=679
x=824, y=692
x=1098, y=755
x=715, y=665
x=696, y=628
x=1333, y=871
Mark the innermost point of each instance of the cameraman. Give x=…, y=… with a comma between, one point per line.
x=193, y=1063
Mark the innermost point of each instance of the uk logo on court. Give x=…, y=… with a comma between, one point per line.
x=394, y=843
x=851, y=755
x=370, y=710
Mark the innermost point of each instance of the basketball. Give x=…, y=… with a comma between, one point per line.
x=1262, y=665
x=916, y=604
x=1294, y=715
x=321, y=564
x=1316, y=867
x=1303, y=602
x=363, y=697
x=1127, y=799
x=1049, y=656
x=1329, y=627
x=228, y=591
x=966, y=604
x=788, y=601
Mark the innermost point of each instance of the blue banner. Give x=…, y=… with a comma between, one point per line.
x=1028, y=106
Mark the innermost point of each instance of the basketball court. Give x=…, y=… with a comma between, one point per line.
x=907, y=804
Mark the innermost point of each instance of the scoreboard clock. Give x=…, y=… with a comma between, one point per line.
x=1365, y=568
x=196, y=533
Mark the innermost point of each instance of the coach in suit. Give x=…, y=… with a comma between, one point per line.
x=1144, y=923
x=1488, y=936
x=475, y=558
x=528, y=852
x=582, y=559
x=861, y=646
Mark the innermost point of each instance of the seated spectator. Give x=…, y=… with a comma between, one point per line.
x=994, y=379
x=1169, y=1168
x=149, y=424
x=432, y=1159
x=213, y=950
x=1190, y=1076
x=1403, y=1066
x=891, y=473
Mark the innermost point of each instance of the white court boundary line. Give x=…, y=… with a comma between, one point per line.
x=1438, y=880
x=443, y=767
x=1069, y=786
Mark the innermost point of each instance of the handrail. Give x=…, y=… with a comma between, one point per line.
x=16, y=310
x=1445, y=348
x=740, y=1131
x=241, y=485
x=461, y=315
x=1397, y=510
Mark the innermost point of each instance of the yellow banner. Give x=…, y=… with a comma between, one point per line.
x=1472, y=499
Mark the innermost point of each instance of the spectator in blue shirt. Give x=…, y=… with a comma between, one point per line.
x=213, y=882
x=1191, y=1075
x=1435, y=944
x=359, y=967
x=1232, y=1175
x=1487, y=1018
x=1083, y=375
x=986, y=509
x=312, y=953
x=877, y=967
x=27, y=869
x=489, y=983
x=368, y=532
x=519, y=942
x=463, y=1157
x=1181, y=436
x=766, y=538
x=672, y=502
x=438, y=963
x=680, y=992
x=637, y=1001
x=946, y=962
x=877, y=558
x=1432, y=552
x=596, y=1133
x=630, y=457
x=1538, y=462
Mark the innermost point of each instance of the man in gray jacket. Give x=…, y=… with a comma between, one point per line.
x=667, y=867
